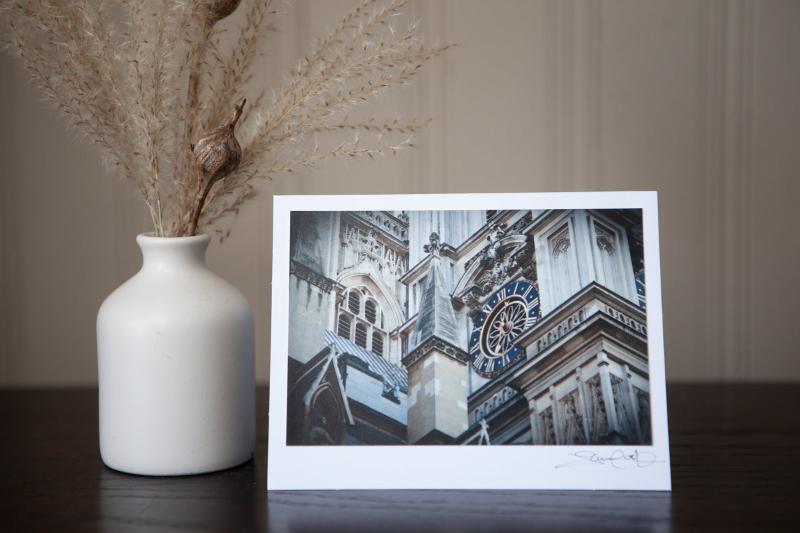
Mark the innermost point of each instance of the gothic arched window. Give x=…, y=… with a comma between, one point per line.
x=371, y=311
x=354, y=302
x=362, y=324
x=343, y=325
x=361, y=334
x=377, y=342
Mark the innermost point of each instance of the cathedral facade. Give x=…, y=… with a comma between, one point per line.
x=468, y=327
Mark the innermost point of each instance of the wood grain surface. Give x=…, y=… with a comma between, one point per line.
x=735, y=465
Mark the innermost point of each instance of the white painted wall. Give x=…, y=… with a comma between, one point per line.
x=697, y=99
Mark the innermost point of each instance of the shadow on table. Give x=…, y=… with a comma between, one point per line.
x=452, y=510
x=221, y=501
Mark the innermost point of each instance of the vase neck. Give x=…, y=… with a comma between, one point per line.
x=173, y=253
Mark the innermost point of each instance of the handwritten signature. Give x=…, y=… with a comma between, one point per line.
x=617, y=459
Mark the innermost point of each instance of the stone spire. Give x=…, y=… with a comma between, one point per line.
x=436, y=317
x=436, y=364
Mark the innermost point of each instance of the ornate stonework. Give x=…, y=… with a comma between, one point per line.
x=434, y=343
x=605, y=239
x=428, y=319
x=311, y=276
x=643, y=410
x=435, y=245
x=506, y=254
x=573, y=419
x=365, y=246
x=598, y=418
x=548, y=428
x=560, y=243
x=394, y=225
x=496, y=401
x=523, y=222
x=623, y=408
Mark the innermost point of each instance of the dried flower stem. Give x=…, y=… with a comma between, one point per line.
x=189, y=185
x=143, y=80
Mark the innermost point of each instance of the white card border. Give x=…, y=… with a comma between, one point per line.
x=461, y=467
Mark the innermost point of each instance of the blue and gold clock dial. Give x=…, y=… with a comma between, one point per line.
x=510, y=311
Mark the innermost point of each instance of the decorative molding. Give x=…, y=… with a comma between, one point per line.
x=560, y=243
x=605, y=238
x=576, y=311
x=573, y=419
x=499, y=230
x=493, y=403
x=547, y=426
x=313, y=277
x=435, y=343
x=368, y=245
x=598, y=418
x=507, y=253
x=396, y=226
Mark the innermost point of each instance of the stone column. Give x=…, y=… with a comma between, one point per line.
x=608, y=393
x=437, y=399
x=583, y=403
x=534, y=417
x=436, y=363
x=557, y=418
x=631, y=399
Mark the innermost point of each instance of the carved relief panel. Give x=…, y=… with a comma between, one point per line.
x=557, y=262
x=365, y=245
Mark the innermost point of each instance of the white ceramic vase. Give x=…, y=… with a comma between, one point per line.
x=175, y=366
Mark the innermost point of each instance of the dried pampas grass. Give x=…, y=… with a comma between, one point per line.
x=151, y=85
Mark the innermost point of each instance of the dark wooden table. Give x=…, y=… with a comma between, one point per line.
x=735, y=465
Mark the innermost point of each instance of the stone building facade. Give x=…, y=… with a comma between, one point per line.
x=468, y=327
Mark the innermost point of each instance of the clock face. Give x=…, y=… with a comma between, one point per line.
x=510, y=311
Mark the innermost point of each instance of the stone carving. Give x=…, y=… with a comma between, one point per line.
x=393, y=262
x=598, y=418
x=500, y=259
x=371, y=246
x=559, y=243
x=396, y=226
x=605, y=239
x=499, y=263
x=573, y=419
x=521, y=224
x=496, y=263
x=643, y=408
x=361, y=246
x=311, y=276
x=497, y=232
x=435, y=245
x=623, y=408
x=494, y=276
x=472, y=300
x=497, y=400
x=483, y=437
x=559, y=330
x=548, y=428
x=435, y=343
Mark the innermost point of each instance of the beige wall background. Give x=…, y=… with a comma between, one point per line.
x=699, y=100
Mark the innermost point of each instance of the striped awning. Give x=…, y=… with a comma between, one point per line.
x=393, y=375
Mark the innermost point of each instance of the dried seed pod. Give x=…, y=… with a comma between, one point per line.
x=219, y=9
x=218, y=153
